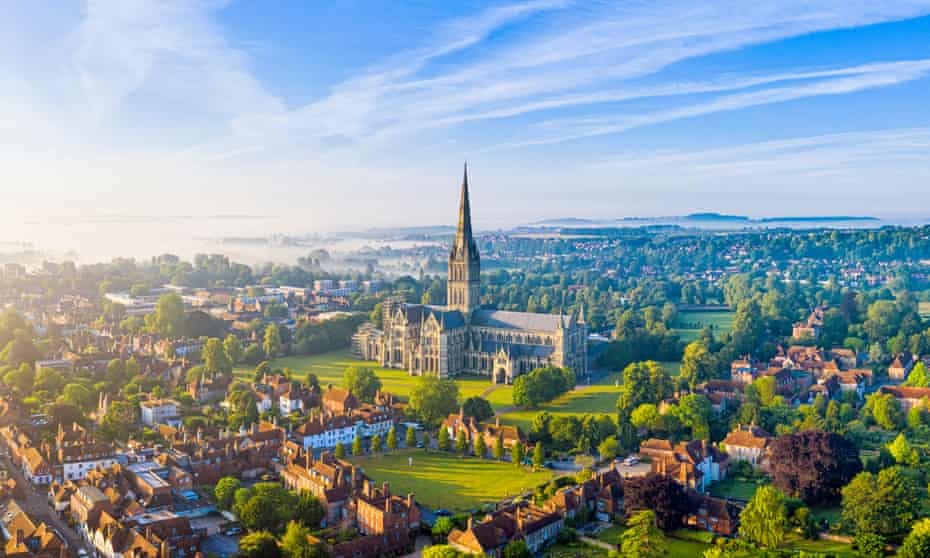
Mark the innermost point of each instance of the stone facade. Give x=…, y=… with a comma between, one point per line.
x=461, y=337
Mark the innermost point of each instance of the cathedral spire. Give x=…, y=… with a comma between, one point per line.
x=463, y=290
x=463, y=237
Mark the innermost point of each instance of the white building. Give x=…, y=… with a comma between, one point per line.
x=159, y=411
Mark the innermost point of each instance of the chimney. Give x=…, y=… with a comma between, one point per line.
x=19, y=537
x=470, y=523
x=307, y=458
x=410, y=501
x=386, y=489
x=165, y=549
x=497, y=421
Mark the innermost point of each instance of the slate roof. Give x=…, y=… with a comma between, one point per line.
x=517, y=320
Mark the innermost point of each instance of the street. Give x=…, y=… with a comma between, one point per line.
x=35, y=503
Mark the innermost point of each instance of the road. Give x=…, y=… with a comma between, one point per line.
x=35, y=503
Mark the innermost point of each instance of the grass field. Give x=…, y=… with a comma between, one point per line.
x=600, y=398
x=732, y=488
x=690, y=324
x=329, y=367
x=444, y=480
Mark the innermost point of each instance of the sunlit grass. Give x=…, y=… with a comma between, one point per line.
x=445, y=480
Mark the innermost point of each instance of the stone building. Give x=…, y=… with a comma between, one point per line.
x=462, y=337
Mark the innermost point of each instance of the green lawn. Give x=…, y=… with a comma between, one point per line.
x=329, y=367
x=444, y=480
x=732, y=488
x=600, y=398
x=795, y=543
x=690, y=324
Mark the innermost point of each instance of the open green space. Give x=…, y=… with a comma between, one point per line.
x=329, y=367
x=596, y=399
x=690, y=323
x=445, y=480
x=734, y=489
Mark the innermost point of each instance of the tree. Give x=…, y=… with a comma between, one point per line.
x=918, y=377
x=885, y=410
x=498, y=450
x=362, y=381
x=357, y=445
x=411, y=438
x=442, y=527
x=697, y=364
x=903, y=452
x=481, y=449
x=642, y=538
x=643, y=382
x=296, y=543
x=813, y=465
x=444, y=440
x=883, y=504
x=461, y=442
x=658, y=493
x=392, y=439
x=215, y=359
x=608, y=448
x=694, y=411
x=517, y=549
x=763, y=520
x=233, y=348
x=870, y=545
x=169, y=319
x=376, y=443
x=517, y=453
x=340, y=451
x=21, y=378
x=433, y=399
x=309, y=510
x=272, y=344
x=539, y=456
x=917, y=543
x=225, y=490
x=253, y=354
x=78, y=395
x=260, y=544
x=478, y=407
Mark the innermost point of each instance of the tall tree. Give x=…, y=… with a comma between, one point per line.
x=260, y=544
x=215, y=359
x=883, y=504
x=362, y=381
x=517, y=453
x=233, y=347
x=642, y=538
x=813, y=465
x=697, y=364
x=433, y=399
x=658, y=493
x=272, y=344
x=169, y=319
x=764, y=518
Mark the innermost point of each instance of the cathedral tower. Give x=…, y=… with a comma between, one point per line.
x=464, y=283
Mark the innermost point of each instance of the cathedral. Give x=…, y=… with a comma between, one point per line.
x=463, y=338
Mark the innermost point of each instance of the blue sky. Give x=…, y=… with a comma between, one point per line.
x=336, y=114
